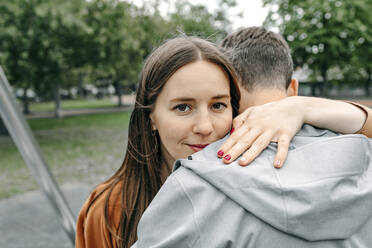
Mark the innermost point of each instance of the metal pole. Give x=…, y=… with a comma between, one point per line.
x=30, y=151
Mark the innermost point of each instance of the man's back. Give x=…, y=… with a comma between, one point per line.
x=320, y=198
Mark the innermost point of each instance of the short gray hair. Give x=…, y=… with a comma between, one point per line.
x=261, y=58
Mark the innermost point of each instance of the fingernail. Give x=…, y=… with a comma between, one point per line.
x=242, y=161
x=277, y=164
x=232, y=130
x=220, y=153
x=227, y=157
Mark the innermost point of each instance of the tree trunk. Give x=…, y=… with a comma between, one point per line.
x=26, y=102
x=118, y=92
x=313, y=89
x=80, y=86
x=57, y=101
x=325, y=82
x=367, y=84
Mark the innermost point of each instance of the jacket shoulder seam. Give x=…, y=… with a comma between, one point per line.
x=192, y=206
x=282, y=192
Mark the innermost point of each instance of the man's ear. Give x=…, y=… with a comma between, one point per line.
x=292, y=89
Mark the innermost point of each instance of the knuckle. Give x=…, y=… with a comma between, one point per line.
x=252, y=151
x=280, y=154
x=229, y=143
x=239, y=118
x=237, y=149
x=283, y=140
x=284, y=130
x=259, y=144
x=247, y=139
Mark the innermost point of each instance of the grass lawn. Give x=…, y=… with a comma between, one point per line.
x=86, y=148
x=73, y=104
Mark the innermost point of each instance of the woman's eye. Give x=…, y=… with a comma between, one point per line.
x=219, y=106
x=182, y=108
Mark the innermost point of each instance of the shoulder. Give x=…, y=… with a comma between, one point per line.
x=188, y=182
x=92, y=228
x=169, y=221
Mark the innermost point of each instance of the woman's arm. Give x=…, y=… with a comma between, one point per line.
x=337, y=116
x=279, y=121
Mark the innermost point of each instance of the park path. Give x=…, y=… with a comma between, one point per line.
x=127, y=101
x=76, y=112
x=366, y=102
x=28, y=220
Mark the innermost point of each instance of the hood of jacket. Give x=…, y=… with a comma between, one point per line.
x=323, y=191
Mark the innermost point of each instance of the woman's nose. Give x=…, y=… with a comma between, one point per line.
x=203, y=124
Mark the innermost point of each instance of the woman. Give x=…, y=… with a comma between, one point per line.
x=186, y=99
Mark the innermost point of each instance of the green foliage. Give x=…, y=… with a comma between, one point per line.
x=196, y=20
x=326, y=35
x=115, y=49
x=38, y=40
x=48, y=43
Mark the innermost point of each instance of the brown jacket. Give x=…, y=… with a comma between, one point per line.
x=367, y=127
x=91, y=230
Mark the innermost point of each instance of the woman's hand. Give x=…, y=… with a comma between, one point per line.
x=257, y=126
x=279, y=121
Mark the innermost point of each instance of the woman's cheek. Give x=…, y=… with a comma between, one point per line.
x=225, y=124
x=173, y=128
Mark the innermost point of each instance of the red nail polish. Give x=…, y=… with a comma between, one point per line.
x=232, y=130
x=220, y=153
x=227, y=157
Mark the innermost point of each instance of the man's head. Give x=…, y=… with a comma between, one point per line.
x=263, y=61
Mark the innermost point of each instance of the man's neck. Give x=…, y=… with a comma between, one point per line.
x=259, y=97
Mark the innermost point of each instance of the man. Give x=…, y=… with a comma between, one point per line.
x=263, y=62
x=322, y=197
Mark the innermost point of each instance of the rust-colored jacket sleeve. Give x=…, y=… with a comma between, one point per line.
x=91, y=229
x=367, y=127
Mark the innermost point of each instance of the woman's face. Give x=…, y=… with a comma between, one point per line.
x=192, y=110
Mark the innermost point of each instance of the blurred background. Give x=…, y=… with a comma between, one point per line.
x=73, y=67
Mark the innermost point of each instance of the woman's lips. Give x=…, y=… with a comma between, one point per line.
x=197, y=147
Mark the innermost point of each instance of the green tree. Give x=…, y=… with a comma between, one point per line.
x=15, y=43
x=116, y=52
x=125, y=34
x=198, y=20
x=46, y=45
x=361, y=60
x=39, y=44
x=324, y=34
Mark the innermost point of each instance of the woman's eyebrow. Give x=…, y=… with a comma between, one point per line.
x=182, y=99
x=189, y=99
x=221, y=96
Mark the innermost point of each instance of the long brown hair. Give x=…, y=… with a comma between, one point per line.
x=139, y=175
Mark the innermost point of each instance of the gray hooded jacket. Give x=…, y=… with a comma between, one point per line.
x=322, y=197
